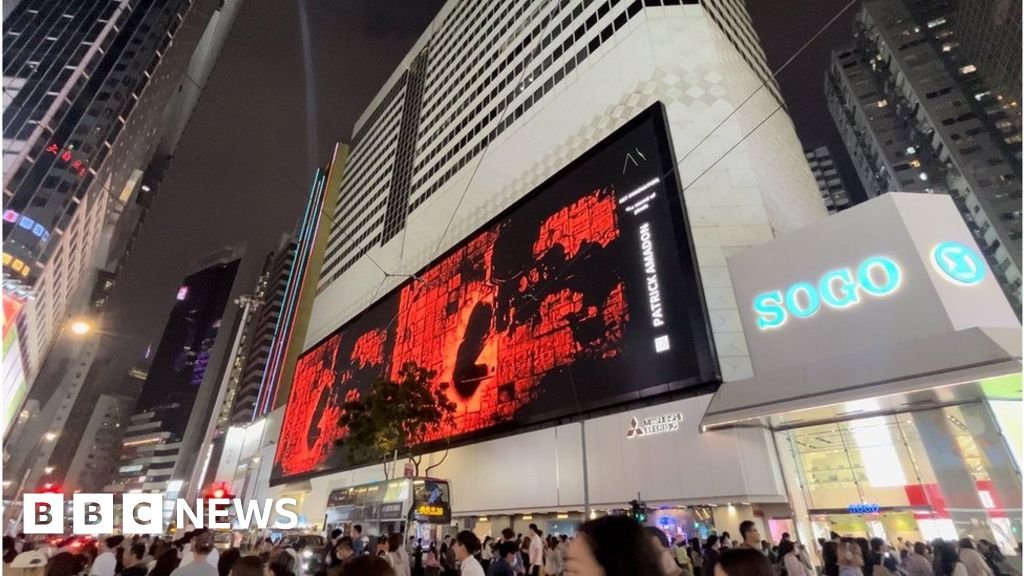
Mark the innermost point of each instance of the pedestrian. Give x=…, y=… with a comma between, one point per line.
x=851, y=558
x=696, y=557
x=343, y=552
x=106, y=561
x=552, y=558
x=227, y=561
x=397, y=556
x=199, y=559
x=749, y=535
x=996, y=561
x=973, y=560
x=465, y=547
x=664, y=552
x=791, y=560
x=247, y=566
x=486, y=552
x=212, y=557
x=360, y=543
x=133, y=561
x=873, y=565
x=330, y=556
x=947, y=562
x=166, y=563
x=367, y=565
x=726, y=542
x=10, y=550
x=432, y=565
x=916, y=563
x=711, y=554
x=682, y=553
x=503, y=563
x=743, y=561
x=612, y=546
x=537, y=550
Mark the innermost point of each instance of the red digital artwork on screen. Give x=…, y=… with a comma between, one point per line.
x=583, y=296
x=492, y=325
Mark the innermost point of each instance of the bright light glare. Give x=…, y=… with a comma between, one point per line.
x=80, y=327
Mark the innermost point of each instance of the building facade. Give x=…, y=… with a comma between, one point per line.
x=96, y=460
x=262, y=329
x=830, y=183
x=176, y=402
x=917, y=116
x=87, y=90
x=989, y=35
x=488, y=105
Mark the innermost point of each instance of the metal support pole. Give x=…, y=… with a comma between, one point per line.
x=586, y=482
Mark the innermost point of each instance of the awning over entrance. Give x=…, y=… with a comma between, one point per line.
x=954, y=367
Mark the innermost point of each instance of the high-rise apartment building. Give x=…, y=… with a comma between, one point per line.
x=175, y=406
x=918, y=116
x=262, y=328
x=830, y=183
x=90, y=89
x=989, y=37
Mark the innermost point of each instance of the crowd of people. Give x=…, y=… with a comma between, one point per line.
x=607, y=546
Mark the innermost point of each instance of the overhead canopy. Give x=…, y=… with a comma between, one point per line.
x=947, y=368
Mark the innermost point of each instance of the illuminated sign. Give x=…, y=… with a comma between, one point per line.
x=958, y=263
x=568, y=301
x=654, y=425
x=64, y=154
x=429, y=510
x=863, y=508
x=876, y=277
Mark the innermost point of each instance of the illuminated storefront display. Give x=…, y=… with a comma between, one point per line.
x=14, y=385
x=557, y=306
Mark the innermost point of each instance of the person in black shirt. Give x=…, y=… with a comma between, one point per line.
x=133, y=565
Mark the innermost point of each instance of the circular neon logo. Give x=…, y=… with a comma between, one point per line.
x=959, y=263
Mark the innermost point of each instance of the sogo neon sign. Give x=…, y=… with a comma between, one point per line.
x=877, y=277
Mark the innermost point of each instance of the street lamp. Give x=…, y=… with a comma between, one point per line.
x=80, y=327
x=50, y=436
x=48, y=470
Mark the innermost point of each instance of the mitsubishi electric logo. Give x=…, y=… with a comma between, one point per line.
x=654, y=425
x=958, y=263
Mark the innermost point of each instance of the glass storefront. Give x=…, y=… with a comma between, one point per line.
x=943, y=473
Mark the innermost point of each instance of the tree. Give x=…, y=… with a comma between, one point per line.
x=397, y=415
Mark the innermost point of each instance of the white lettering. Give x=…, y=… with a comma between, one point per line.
x=183, y=509
x=245, y=516
x=293, y=518
x=650, y=268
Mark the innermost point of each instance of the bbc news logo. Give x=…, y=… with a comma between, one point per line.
x=143, y=513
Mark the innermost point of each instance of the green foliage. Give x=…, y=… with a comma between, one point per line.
x=396, y=416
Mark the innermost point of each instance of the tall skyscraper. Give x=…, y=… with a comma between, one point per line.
x=270, y=297
x=918, y=116
x=489, y=103
x=91, y=90
x=175, y=405
x=830, y=183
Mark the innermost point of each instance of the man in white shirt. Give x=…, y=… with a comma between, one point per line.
x=536, y=550
x=466, y=546
x=106, y=562
x=188, y=555
x=199, y=565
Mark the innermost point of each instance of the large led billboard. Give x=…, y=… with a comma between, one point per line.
x=582, y=296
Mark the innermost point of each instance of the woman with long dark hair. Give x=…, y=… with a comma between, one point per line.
x=947, y=562
x=743, y=562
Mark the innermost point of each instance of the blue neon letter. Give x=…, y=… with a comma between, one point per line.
x=770, y=313
x=846, y=295
x=813, y=300
x=892, y=276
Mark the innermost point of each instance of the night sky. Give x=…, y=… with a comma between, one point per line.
x=241, y=172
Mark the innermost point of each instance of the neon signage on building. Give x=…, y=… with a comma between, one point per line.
x=875, y=277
